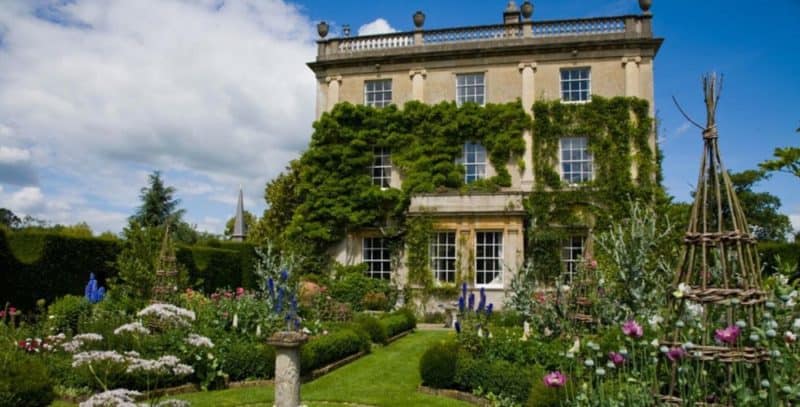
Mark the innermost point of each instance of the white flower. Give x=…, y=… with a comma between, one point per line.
x=174, y=403
x=94, y=356
x=790, y=337
x=694, y=309
x=166, y=365
x=133, y=327
x=593, y=346
x=600, y=371
x=769, y=304
x=79, y=340
x=258, y=330
x=682, y=290
x=168, y=313
x=655, y=320
x=589, y=363
x=765, y=383
x=116, y=398
x=235, y=320
x=796, y=324
x=772, y=324
x=576, y=346
x=199, y=341
x=771, y=333
x=654, y=343
x=741, y=324
x=680, y=324
x=754, y=337
x=88, y=337
x=565, y=288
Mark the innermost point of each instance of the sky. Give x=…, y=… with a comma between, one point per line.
x=96, y=94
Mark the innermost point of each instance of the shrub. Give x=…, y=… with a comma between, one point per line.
x=323, y=350
x=373, y=327
x=243, y=360
x=352, y=286
x=25, y=383
x=438, y=365
x=65, y=312
x=498, y=377
x=398, y=322
x=375, y=301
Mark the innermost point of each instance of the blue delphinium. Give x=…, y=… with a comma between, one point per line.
x=471, y=302
x=279, y=301
x=482, y=301
x=464, y=290
x=458, y=327
x=92, y=292
x=460, y=304
x=284, y=275
x=271, y=287
x=489, y=310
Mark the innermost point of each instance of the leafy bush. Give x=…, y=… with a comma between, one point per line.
x=25, y=383
x=323, y=350
x=247, y=360
x=398, y=322
x=65, y=312
x=375, y=301
x=370, y=324
x=352, y=286
x=498, y=377
x=438, y=365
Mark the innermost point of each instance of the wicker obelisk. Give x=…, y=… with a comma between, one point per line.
x=166, y=282
x=718, y=294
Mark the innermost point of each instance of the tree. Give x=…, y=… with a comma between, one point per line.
x=786, y=160
x=249, y=220
x=282, y=200
x=760, y=208
x=9, y=219
x=158, y=204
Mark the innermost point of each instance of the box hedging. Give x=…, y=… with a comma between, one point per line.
x=437, y=367
x=323, y=350
x=495, y=376
x=41, y=265
x=398, y=322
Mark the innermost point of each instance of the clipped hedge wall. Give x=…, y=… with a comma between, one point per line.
x=323, y=350
x=398, y=322
x=41, y=265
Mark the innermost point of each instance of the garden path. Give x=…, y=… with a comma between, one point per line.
x=388, y=377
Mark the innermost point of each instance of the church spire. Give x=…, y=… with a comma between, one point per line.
x=239, y=227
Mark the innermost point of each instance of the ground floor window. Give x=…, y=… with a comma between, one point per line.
x=377, y=257
x=489, y=258
x=571, y=254
x=443, y=256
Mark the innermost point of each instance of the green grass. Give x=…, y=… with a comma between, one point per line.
x=389, y=376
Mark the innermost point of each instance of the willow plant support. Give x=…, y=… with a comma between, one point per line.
x=166, y=282
x=720, y=279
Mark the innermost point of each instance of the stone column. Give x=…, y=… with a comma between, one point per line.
x=631, y=65
x=528, y=69
x=418, y=84
x=333, y=90
x=287, y=367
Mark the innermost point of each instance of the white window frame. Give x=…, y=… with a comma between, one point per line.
x=572, y=249
x=581, y=87
x=482, y=258
x=470, y=161
x=443, y=256
x=379, y=95
x=568, y=145
x=381, y=168
x=469, y=92
x=376, y=255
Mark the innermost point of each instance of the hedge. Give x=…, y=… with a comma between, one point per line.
x=43, y=265
x=495, y=376
x=398, y=322
x=788, y=253
x=323, y=350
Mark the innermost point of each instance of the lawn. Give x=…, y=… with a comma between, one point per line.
x=389, y=376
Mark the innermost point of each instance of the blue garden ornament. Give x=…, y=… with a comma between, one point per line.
x=93, y=293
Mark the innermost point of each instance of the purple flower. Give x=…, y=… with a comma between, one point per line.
x=555, y=379
x=93, y=293
x=471, y=302
x=458, y=327
x=616, y=358
x=464, y=290
x=676, y=353
x=632, y=329
x=460, y=304
x=271, y=286
x=727, y=335
x=284, y=275
x=482, y=301
x=279, y=301
x=489, y=310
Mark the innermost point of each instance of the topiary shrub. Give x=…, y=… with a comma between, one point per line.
x=25, y=383
x=437, y=367
x=65, y=312
x=498, y=377
x=243, y=360
x=371, y=325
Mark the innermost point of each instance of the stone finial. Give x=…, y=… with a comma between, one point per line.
x=419, y=19
x=645, y=6
x=511, y=13
x=511, y=7
x=322, y=29
x=346, y=30
x=239, y=225
x=527, y=10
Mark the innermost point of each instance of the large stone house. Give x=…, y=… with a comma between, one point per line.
x=520, y=59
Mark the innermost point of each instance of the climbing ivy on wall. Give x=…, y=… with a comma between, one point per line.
x=335, y=187
x=618, y=133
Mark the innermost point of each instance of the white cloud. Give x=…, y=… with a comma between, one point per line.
x=101, y=92
x=379, y=26
x=795, y=219
x=12, y=155
x=16, y=166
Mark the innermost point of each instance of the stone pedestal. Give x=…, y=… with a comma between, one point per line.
x=287, y=367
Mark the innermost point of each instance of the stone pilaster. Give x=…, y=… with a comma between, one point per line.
x=631, y=65
x=418, y=84
x=333, y=90
x=528, y=71
x=287, y=367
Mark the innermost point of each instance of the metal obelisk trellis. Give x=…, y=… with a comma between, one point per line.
x=718, y=291
x=166, y=283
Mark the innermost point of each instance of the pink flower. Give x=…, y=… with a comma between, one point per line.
x=555, y=379
x=789, y=337
x=227, y=294
x=727, y=335
x=239, y=292
x=676, y=353
x=2, y=313
x=12, y=311
x=616, y=358
x=215, y=296
x=632, y=329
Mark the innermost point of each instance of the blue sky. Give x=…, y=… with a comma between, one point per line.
x=96, y=94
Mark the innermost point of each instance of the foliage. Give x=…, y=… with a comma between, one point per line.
x=24, y=382
x=65, y=312
x=398, y=322
x=351, y=287
x=9, y=219
x=499, y=377
x=760, y=208
x=375, y=301
x=374, y=327
x=437, y=367
x=785, y=160
x=137, y=261
x=323, y=350
x=635, y=271
x=772, y=254
x=243, y=360
x=249, y=221
x=159, y=206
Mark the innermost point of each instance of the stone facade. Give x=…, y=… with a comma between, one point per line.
x=518, y=60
